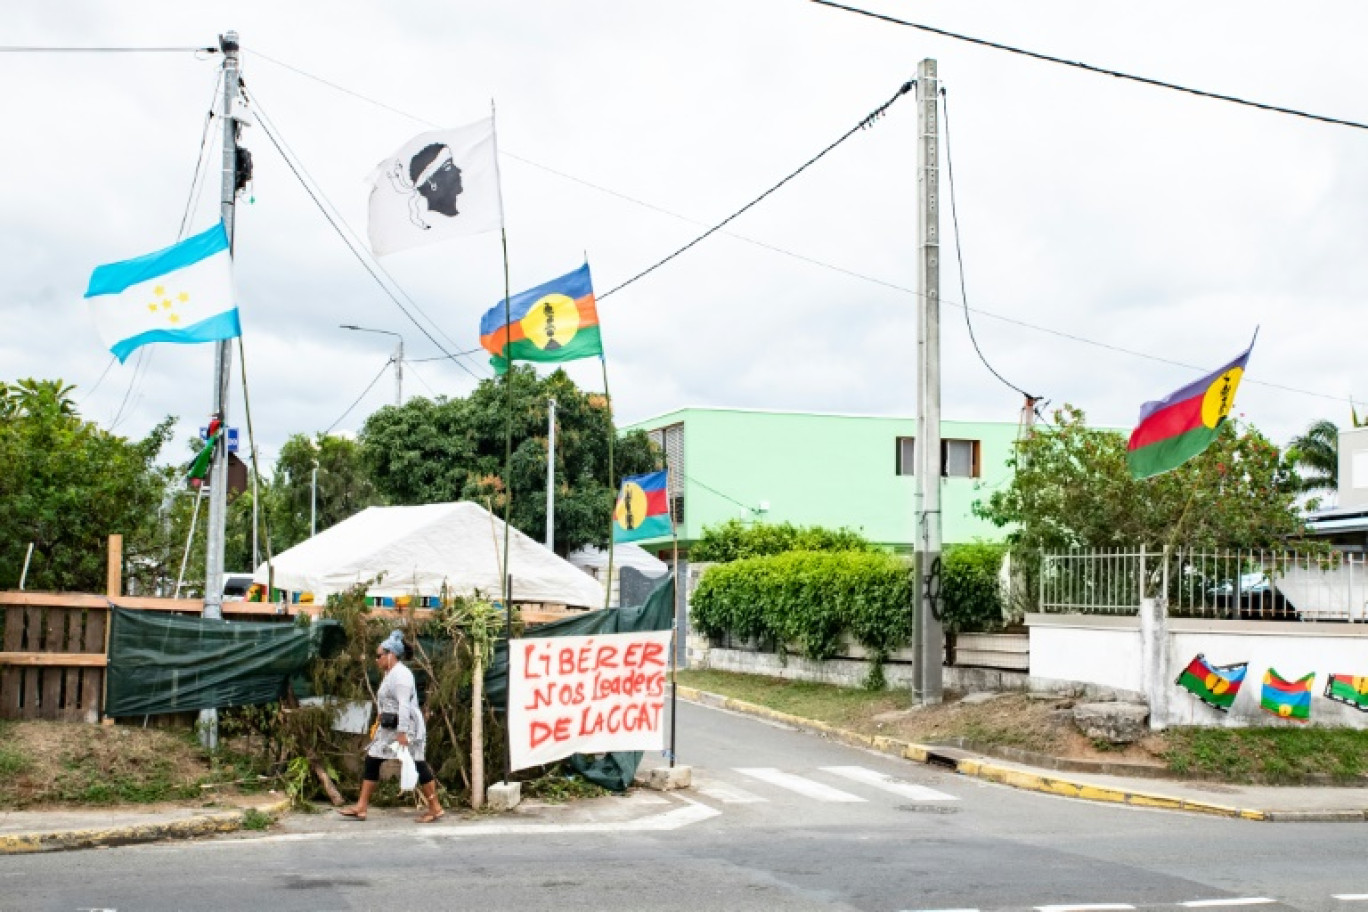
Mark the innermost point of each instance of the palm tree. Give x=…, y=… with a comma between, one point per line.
x=1315, y=457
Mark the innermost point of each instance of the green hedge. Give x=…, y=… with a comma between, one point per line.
x=970, y=595
x=808, y=599
x=735, y=540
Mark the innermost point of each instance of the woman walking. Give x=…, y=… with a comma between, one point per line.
x=401, y=722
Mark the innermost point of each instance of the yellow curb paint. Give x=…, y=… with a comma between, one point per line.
x=977, y=768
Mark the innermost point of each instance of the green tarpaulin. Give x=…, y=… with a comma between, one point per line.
x=165, y=663
x=615, y=770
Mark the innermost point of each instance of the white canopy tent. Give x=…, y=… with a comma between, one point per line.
x=417, y=550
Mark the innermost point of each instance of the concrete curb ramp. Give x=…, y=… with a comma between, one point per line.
x=967, y=764
x=186, y=828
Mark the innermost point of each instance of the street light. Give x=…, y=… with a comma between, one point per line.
x=398, y=359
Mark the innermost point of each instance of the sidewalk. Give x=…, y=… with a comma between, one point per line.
x=1250, y=802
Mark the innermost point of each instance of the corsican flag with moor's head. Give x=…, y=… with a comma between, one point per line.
x=182, y=294
x=643, y=508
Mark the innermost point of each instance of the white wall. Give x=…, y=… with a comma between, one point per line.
x=1105, y=651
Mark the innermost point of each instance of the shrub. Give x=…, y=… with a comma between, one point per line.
x=971, y=599
x=735, y=540
x=809, y=599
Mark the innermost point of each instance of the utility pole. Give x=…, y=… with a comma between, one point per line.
x=223, y=350
x=929, y=638
x=551, y=474
x=223, y=369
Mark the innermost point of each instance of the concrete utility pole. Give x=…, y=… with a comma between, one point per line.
x=551, y=474
x=223, y=369
x=929, y=638
x=223, y=350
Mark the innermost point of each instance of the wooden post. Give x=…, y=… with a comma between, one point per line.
x=477, y=733
x=114, y=577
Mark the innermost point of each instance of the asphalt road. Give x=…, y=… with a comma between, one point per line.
x=777, y=820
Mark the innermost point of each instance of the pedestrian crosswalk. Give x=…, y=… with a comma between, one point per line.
x=826, y=784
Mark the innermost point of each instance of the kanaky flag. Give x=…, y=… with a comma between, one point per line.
x=1215, y=685
x=1287, y=699
x=556, y=321
x=1180, y=426
x=643, y=508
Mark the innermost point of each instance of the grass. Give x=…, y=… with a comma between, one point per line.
x=253, y=819
x=1272, y=755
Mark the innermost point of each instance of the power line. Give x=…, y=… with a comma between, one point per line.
x=959, y=255
x=1061, y=334
x=1101, y=71
x=359, y=398
x=40, y=49
x=336, y=222
x=196, y=184
x=865, y=123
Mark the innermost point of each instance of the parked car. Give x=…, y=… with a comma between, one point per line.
x=235, y=586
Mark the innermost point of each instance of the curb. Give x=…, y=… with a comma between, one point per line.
x=964, y=764
x=189, y=828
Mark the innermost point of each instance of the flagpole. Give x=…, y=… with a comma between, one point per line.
x=674, y=636
x=508, y=381
x=612, y=485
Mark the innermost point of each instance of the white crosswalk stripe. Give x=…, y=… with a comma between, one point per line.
x=888, y=783
x=808, y=788
x=729, y=794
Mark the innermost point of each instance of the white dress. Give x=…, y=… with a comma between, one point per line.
x=399, y=695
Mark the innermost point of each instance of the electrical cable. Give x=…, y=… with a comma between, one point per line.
x=337, y=224
x=420, y=377
x=359, y=398
x=104, y=373
x=959, y=255
x=196, y=183
x=36, y=49
x=1101, y=71
x=144, y=356
x=1061, y=334
x=865, y=123
x=469, y=351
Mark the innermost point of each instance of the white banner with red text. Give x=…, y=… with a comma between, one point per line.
x=586, y=695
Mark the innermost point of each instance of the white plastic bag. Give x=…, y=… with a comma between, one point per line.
x=408, y=770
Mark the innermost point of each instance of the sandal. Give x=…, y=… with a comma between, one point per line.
x=431, y=817
x=352, y=813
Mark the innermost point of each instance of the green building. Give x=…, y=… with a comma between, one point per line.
x=828, y=470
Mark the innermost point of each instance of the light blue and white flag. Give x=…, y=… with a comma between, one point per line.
x=182, y=294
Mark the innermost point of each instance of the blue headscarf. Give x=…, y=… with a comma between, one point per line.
x=394, y=643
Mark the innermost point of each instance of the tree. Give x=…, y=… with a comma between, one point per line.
x=1315, y=457
x=1072, y=488
x=66, y=485
x=344, y=489
x=429, y=451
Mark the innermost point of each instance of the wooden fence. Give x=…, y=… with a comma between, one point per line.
x=55, y=644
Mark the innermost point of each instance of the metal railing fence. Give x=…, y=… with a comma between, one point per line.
x=1207, y=583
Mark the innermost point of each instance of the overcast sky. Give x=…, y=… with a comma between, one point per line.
x=1096, y=209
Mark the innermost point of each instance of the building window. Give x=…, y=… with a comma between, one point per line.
x=907, y=456
x=959, y=458
x=670, y=439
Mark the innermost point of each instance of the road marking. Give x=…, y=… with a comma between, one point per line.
x=1095, y=907
x=1213, y=903
x=729, y=794
x=1351, y=897
x=889, y=784
x=805, y=787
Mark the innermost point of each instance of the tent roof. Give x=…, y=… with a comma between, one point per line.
x=417, y=549
x=624, y=555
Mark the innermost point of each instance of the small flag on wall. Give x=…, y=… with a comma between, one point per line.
x=1180, y=426
x=1349, y=689
x=1287, y=699
x=1216, y=685
x=182, y=294
x=643, y=508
